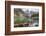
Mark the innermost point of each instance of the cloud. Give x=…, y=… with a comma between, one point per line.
x=31, y=9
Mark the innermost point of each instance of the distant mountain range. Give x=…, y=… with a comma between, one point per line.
x=26, y=12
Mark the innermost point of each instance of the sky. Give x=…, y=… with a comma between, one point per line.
x=31, y=9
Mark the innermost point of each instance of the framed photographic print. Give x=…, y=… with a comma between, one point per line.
x=24, y=17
